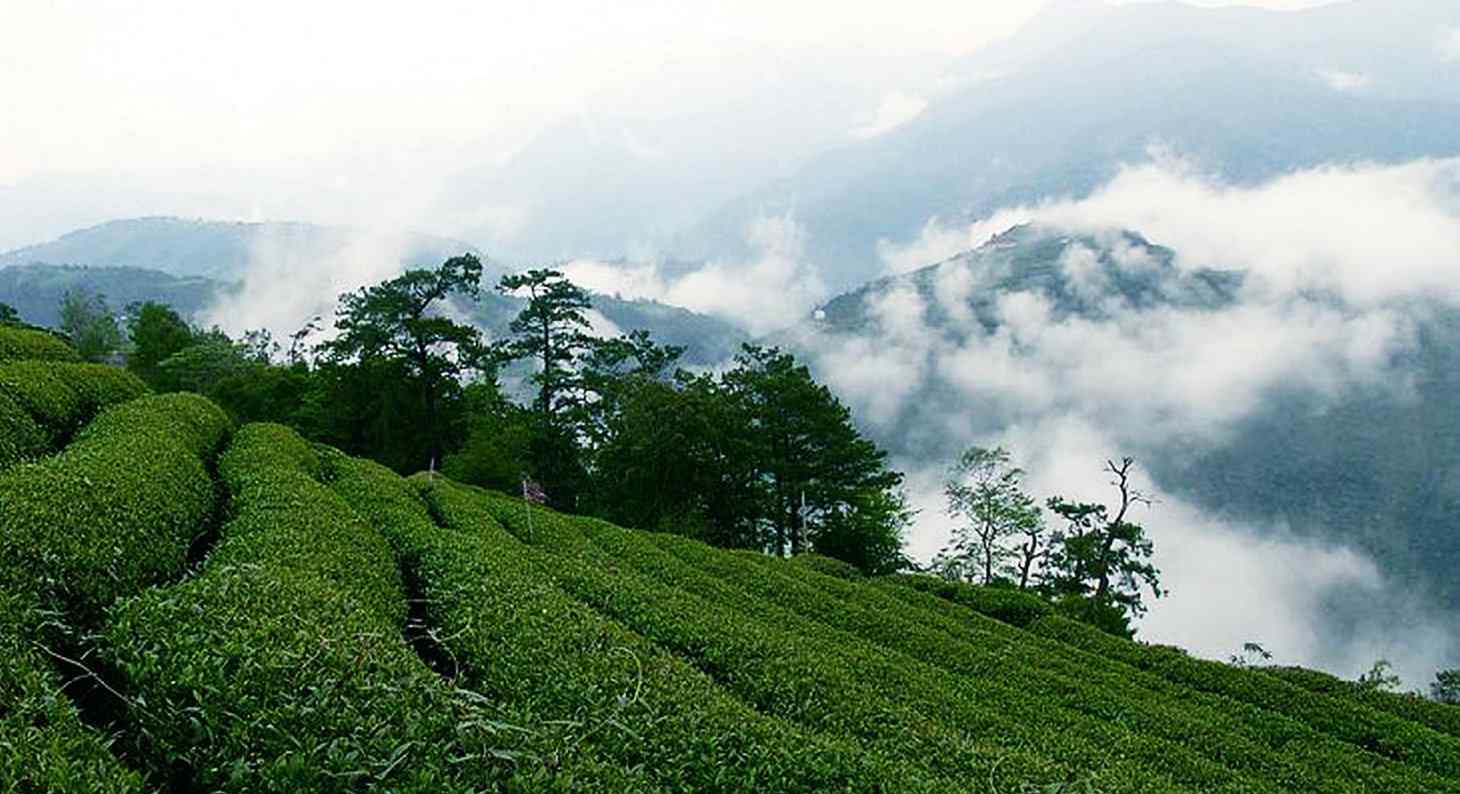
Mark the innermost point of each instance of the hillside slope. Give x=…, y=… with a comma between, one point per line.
x=329, y=626
x=214, y=249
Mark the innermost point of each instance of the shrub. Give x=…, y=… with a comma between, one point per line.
x=1245, y=738
x=1415, y=708
x=814, y=675
x=116, y=510
x=44, y=747
x=20, y=437
x=829, y=566
x=30, y=344
x=1092, y=724
x=281, y=665
x=1366, y=728
x=519, y=637
x=1015, y=607
x=61, y=398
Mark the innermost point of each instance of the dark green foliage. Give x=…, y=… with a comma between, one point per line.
x=762, y=457
x=36, y=290
x=1099, y=564
x=156, y=332
x=550, y=330
x=280, y=666
x=1446, y=688
x=1359, y=725
x=61, y=397
x=829, y=566
x=399, y=322
x=497, y=452
x=116, y=510
x=9, y=316
x=200, y=367
x=21, y=344
x=519, y=640
x=43, y=745
x=1434, y=713
x=677, y=459
x=1012, y=606
x=20, y=437
x=89, y=323
x=812, y=460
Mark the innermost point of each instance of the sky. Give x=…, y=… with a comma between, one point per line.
x=167, y=85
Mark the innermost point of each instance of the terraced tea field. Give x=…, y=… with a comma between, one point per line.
x=190, y=606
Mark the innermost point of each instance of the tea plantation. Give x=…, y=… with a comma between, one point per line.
x=186, y=605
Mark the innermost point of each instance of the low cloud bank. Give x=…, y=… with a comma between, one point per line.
x=1339, y=260
x=291, y=277
x=771, y=292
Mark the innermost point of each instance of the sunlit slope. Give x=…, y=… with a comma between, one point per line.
x=264, y=614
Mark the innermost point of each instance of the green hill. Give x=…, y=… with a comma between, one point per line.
x=187, y=606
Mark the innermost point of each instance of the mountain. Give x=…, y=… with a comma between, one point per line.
x=36, y=290
x=1029, y=258
x=214, y=249
x=190, y=264
x=1298, y=420
x=1085, y=87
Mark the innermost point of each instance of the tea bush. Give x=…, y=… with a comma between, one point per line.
x=1261, y=743
x=61, y=397
x=1442, y=717
x=1086, y=717
x=281, y=665
x=1372, y=730
x=829, y=566
x=114, y=511
x=518, y=636
x=1014, y=607
x=20, y=437
x=43, y=745
x=826, y=679
x=25, y=344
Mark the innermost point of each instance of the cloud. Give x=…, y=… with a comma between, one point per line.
x=291, y=277
x=767, y=294
x=1338, y=257
x=1447, y=46
x=1323, y=229
x=895, y=110
x=1344, y=81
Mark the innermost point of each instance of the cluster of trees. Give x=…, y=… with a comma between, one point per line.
x=87, y=321
x=759, y=456
x=1095, y=565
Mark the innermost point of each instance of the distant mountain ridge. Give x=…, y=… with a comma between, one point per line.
x=188, y=264
x=1031, y=258
x=211, y=249
x=1243, y=93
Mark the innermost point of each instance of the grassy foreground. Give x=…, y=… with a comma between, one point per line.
x=189, y=606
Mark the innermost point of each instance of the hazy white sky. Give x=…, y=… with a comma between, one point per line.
x=134, y=85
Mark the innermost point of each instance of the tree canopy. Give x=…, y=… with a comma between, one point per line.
x=398, y=326
x=88, y=321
